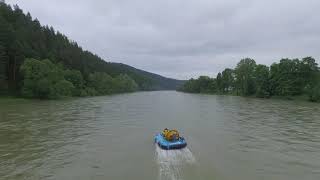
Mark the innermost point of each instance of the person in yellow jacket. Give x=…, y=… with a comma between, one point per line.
x=165, y=132
x=170, y=135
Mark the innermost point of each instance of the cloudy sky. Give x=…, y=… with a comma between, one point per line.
x=185, y=38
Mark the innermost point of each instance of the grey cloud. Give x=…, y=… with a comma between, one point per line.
x=184, y=39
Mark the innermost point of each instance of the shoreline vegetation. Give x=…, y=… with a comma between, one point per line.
x=45, y=80
x=39, y=62
x=292, y=79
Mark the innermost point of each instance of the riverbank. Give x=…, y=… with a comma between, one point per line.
x=301, y=98
x=8, y=99
x=4, y=98
x=286, y=79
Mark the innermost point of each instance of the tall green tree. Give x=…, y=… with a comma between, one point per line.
x=101, y=82
x=76, y=78
x=3, y=65
x=4, y=41
x=261, y=75
x=227, y=80
x=287, y=78
x=16, y=58
x=274, y=79
x=204, y=82
x=309, y=71
x=191, y=86
x=219, y=83
x=314, y=90
x=244, y=73
x=124, y=83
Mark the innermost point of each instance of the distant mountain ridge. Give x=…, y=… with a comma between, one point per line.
x=159, y=82
x=23, y=37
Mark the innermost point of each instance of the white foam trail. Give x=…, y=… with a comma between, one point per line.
x=171, y=161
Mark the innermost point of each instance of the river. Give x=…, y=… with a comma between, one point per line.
x=111, y=137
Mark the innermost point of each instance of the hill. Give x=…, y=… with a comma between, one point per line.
x=22, y=37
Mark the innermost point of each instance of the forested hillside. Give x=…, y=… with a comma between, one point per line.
x=289, y=78
x=23, y=37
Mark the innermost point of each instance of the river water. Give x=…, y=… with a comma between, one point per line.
x=111, y=137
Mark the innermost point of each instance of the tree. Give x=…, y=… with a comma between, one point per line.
x=203, y=84
x=3, y=65
x=75, y=77
x=274, y=79
x=314, y=92
x=124, y=83
x=61, y=88
x=287, y=78
x=309, y=70
x=4, y=41
x=219, y=83
x=45, y=80
x=261, y=75
x=101, y=82
x=35, y=82
x=16, y=58
x=227, y=80
x=191, y=86
x=244, y=73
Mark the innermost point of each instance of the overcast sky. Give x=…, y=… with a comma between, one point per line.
x=185, y=38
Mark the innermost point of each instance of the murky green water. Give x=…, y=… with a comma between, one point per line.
x=111, y=137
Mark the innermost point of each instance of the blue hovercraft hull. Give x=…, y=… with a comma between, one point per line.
x=168, y=145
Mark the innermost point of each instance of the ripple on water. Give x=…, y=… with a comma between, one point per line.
x=237, y=138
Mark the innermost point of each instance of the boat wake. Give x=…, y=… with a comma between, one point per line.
x=171, y=162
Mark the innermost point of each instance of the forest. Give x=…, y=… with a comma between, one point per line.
x=43, y=79
x=290, y=78
x=26, y=45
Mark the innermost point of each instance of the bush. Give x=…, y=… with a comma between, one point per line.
x=61, y=89
x=76, y=78
x=44, y=80
x=88, y=92
x=123, y=83
x=101, y=82
x=314, y=93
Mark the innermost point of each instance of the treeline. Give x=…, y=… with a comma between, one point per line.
x=43, y=79
x=288, y=78
x=23, y=37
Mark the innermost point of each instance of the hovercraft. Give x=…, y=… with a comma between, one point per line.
x=170, y=139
